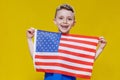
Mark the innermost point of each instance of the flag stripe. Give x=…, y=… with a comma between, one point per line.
x=64, y=69
x=78, y=44
x=64, y=58
x=76, y=50
x=77, y=38
x=67, y=53
x=62, y=65
x=79, y=41
x=76, y=54
x=81, y=36
x=64, y=62
x=78, y=47
x=54, y=55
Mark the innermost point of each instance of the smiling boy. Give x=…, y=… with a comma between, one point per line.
x=64, y=20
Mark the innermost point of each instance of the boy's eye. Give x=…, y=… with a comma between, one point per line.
x=69, y=18
x=60, y=17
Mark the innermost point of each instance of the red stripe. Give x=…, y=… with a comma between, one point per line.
x=62, y=65
x=76, y=61
x=76, y=54
x=80, y=41
x=64, y=58
x=81, y=36
x=77, y=47
x=63, y=72
x=45, y=57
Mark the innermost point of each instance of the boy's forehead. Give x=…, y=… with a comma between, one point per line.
x=65, y=12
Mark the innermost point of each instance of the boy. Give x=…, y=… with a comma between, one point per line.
x=65, y=20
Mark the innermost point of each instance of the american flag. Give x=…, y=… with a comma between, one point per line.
x=66, y=54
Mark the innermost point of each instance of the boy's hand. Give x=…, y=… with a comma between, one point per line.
x=102, y=42
x=30, y=32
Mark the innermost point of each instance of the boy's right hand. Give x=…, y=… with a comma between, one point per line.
x=30, y=32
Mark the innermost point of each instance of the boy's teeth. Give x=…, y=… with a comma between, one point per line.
x=65, y=26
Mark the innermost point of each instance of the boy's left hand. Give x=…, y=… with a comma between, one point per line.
x=102, y=42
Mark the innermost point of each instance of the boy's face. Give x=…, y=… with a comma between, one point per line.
x=64, y=20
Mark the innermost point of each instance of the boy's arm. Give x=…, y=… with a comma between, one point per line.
x=102, y=44
x=30, y=33
x=31, y=46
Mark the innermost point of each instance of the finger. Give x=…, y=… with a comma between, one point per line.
x=103, y=41
x=101, y=37
x=29, y=31
x=32, y=28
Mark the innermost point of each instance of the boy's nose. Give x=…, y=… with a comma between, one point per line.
x=65, y=21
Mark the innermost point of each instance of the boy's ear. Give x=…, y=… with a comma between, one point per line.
x=74, y=23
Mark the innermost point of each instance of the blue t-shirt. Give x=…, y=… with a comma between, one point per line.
x=55, y=76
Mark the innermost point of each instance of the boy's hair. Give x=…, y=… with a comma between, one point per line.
x=64, y=6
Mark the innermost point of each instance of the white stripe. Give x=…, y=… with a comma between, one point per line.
x=64, y=69
x=76, y=38
x=67, y=55
x=76, y=57
x=64, y=62
x=78, y=44
x=77, y=51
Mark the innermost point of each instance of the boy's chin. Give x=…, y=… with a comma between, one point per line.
x=64, y=32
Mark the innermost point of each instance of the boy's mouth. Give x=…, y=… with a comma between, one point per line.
x=64, y=26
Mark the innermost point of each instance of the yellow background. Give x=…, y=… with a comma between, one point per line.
x=93, y=17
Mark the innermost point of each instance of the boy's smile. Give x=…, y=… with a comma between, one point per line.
x=64, y=20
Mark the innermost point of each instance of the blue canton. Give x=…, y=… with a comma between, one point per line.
x=47, y=41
